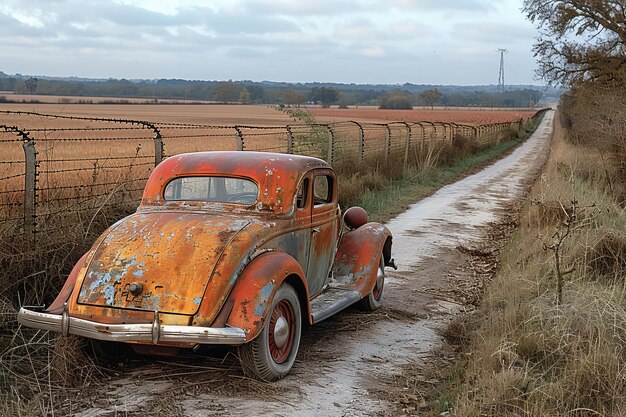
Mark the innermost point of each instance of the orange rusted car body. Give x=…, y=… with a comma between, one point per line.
x=214, y=265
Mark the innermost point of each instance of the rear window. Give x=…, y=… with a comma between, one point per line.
x=212, y=189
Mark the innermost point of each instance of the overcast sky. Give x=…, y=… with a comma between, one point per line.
x=349, y=41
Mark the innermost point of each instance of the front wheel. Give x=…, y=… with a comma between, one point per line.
x=374, y=300
x=271, y=355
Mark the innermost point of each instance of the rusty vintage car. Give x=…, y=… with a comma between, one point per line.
x=235, y=248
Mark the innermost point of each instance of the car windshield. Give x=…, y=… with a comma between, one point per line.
x=212, y=189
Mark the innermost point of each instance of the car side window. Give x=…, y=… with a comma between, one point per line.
x=322, y=189
x=301, y=196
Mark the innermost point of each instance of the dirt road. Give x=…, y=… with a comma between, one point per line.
x=347, y=364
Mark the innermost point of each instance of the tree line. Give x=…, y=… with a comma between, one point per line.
x=259, y=93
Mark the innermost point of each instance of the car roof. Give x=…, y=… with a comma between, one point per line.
x=276, y=174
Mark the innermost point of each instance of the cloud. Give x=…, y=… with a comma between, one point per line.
x=370, y=40
x=373, y=52
x=486, y=31
x=443, y=5
x=306, y=8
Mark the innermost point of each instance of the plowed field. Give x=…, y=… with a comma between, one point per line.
x=456, y=115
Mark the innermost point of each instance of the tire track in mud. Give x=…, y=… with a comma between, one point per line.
x=345, y=363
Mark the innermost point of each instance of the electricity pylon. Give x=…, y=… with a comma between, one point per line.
x=501, y=74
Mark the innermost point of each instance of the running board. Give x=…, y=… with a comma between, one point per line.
x=332, y=301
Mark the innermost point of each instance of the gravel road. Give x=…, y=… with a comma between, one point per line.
x=346, y=363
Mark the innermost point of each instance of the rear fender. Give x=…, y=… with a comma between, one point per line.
x=359, y=253
x=58, y=304
x=254, y=291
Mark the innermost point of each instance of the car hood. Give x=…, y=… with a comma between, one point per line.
x=158, y=261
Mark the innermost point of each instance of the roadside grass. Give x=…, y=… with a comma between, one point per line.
x=384, y=198
x=40, y=373
x=527, y=354
x=388, y=190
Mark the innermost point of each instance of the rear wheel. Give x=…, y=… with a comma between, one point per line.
x=374, y=300
x=271, y=355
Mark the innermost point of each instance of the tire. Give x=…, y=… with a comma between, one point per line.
x=263, y=358
x=374, y=300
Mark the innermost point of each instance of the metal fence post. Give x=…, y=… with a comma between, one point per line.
x=387, y=142
x=239, y=139
x=407, y=145
x=361, y=142
x=289, y=140
x=159, y=151
x=30, y=187
x=422, y=140
x=331, y=144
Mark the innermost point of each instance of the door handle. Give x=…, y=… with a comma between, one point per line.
x=315, y=230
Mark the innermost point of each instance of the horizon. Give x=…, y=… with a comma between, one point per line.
x=138, y=80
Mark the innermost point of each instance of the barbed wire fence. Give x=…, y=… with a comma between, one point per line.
x=55, y=169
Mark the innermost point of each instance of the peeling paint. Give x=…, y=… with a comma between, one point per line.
x=190, y=257
x=264, y=299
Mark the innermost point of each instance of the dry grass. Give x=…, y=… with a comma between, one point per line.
x=530, y=356
x=225, y=114
x=457, y=115
x=37, y=373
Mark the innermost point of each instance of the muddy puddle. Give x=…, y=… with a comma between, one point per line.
x=346, y=358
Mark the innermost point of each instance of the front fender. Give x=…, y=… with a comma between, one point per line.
x=255, y=288
x=358, y=255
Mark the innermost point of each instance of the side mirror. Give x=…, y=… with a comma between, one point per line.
x=355, y=217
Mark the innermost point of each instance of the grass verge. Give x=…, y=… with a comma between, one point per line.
x=39, y=374
x=389, y=190
x=385, y=203
x=528, y=349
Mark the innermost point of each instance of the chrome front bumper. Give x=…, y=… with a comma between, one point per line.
x=149, y=332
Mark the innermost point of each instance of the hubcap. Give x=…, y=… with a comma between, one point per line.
x=281, y=332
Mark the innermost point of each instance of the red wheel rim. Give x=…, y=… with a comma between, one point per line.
x=281, y=309
x=377, y=291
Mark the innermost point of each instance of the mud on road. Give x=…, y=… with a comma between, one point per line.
x=352, y=364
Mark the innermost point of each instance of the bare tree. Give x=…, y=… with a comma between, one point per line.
x=579, y=40
x=31, y=84
x=430, y=97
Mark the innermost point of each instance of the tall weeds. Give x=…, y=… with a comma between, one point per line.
x=529, y=354
x=38, y=372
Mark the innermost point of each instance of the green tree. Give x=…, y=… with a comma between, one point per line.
x=227, y=92
x=291, y=96
x=244, y=95
x=257, y=93
x=325, y=95
x=396, y=99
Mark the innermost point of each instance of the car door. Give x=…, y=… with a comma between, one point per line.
x=324, y=229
